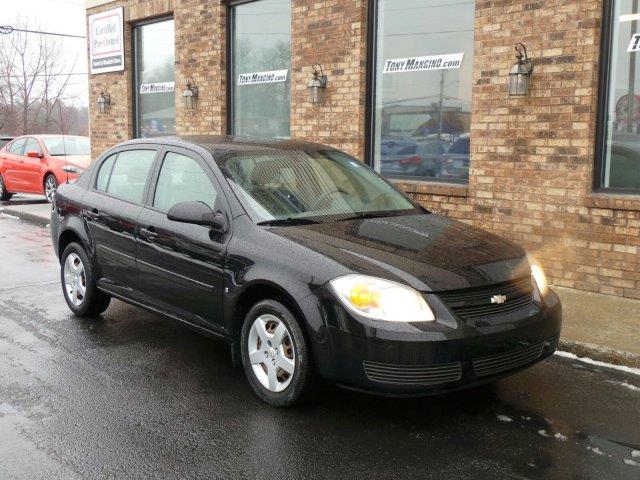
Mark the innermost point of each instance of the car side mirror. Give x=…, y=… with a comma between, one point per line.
x=34, y=154
x=199, y=213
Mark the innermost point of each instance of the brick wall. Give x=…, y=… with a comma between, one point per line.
x=531, y=158
x=333, y=34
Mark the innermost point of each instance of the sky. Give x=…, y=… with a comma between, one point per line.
x=59, y=16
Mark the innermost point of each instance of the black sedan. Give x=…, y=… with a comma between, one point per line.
x=306, y=262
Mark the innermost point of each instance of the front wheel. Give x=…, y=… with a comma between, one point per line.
x=78, y=284
x=4, y=195
x=50, y=187
x=275, y=354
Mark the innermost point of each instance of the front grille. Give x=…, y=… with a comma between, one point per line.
x=474, y=303
x=502, y=362
x=413, y=374
x=552, y=345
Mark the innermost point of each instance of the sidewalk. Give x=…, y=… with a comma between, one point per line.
x=601, y=327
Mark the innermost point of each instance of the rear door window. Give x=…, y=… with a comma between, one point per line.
x=105, y=172
x=17, y=147
x=129, y=174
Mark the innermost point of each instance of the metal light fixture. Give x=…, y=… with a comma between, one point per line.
x=190, y=94
x=317, y=86
x=520, y=74
x=104, y=102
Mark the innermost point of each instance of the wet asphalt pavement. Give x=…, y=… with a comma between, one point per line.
x=134, y=395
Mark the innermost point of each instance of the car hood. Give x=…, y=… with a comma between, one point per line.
x=429, y=252
x=82, y=161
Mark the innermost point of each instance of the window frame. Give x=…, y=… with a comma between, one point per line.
x=229, y=59
x=606, y=45
x=134, y=67
x=125, y=148
x=150, y=203
x=370, y=104
x=221, y=198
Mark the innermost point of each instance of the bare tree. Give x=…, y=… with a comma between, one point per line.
x=35, y=72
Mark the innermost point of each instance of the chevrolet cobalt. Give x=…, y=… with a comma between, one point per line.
x=306, y=262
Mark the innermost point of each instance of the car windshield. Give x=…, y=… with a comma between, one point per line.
x=311, y=185
x=67, y=145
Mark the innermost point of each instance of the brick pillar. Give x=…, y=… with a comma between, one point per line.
x=333, y=34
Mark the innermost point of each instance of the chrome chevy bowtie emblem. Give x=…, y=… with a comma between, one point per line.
x=499, y=299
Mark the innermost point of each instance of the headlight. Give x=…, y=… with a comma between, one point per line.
x=72, y=169
x=381, y=299
x=539, y=277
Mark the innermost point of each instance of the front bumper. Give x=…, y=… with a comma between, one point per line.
x=430, y=358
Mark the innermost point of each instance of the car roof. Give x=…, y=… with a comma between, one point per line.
x=228, y=143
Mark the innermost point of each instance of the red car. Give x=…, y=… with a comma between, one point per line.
x=39, y=163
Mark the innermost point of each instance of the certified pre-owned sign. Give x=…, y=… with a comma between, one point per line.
x=106, y=41
x=274, y=76
x=417, y=64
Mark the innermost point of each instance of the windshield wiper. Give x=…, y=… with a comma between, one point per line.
x=364, y=215
x=283, y=222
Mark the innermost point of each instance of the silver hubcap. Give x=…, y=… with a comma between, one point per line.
x=271, y=352
x=1, y=187
x=75, y=281
x=50, y=188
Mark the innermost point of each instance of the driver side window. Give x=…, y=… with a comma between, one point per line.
x=182, y=179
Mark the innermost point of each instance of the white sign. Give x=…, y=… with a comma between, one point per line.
x=106, y=41
x=634, y=45
x=274, y=76
x=160, y=87
x=418, y=64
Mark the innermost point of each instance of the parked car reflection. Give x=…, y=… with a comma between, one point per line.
x=455, y=163
x=415, y=158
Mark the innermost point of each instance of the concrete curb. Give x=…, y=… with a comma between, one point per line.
x=600, y=353
x=26, y=216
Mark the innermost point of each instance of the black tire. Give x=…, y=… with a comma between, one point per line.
x=54, y=181
x=4, y=195
x=94, y=301
x=303, y=376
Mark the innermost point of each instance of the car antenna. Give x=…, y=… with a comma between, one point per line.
x=64, y=142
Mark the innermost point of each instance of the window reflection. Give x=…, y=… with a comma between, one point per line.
x=423, y=80
x=262, y=56
x=621, y=159
x=154, y=69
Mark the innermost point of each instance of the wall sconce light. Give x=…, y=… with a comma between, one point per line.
x=104, y=102
x=520, y=74
x=190, y=94
x=317, y=86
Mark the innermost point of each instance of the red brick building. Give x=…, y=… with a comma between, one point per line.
x=418, y=90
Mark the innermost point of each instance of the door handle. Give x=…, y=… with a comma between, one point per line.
x=149, y=234
x=92, y=215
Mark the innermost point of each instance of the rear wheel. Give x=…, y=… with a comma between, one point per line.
x=275, y=354
x=50, y=187
x=4, y=195
x=78, y=284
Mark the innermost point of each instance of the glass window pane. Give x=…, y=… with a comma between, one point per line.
x=129, y=174
x=104, y=173
x=31, y=146
x=154, y=70
x=261, y=44
x=299, y=184
x=182, y=179
x=423, y=81
x=621, y=159
x=17, y=147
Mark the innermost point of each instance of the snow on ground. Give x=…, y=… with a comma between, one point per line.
x=622, y=368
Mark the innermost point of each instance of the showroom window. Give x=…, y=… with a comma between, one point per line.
x=154, y=67
x=618, y=166
x=421, y=98
x=260, y=68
